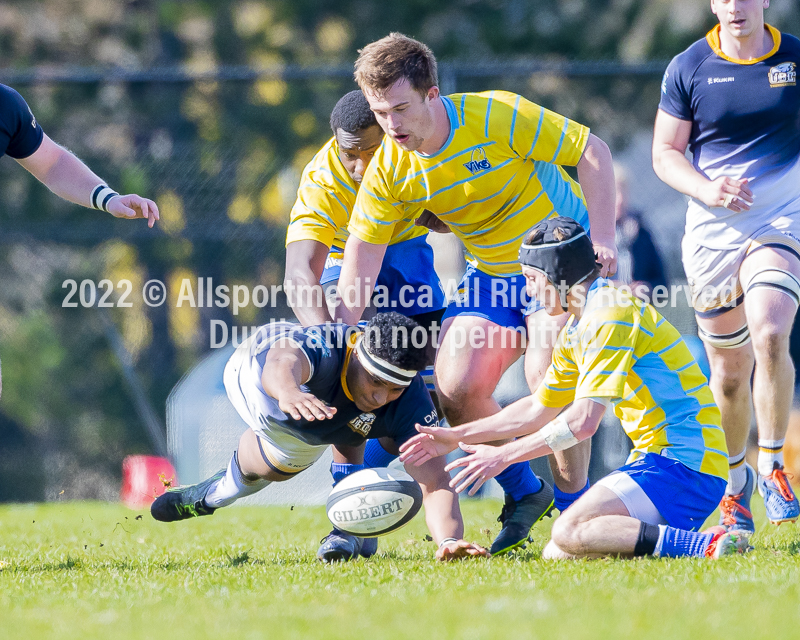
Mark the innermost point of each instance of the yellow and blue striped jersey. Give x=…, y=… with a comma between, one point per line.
x=325, y=200
x=499, y=173
x=624, y=350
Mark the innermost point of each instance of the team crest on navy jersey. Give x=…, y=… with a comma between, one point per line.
x=783, y=75
x=477, y=161
x=362, y=424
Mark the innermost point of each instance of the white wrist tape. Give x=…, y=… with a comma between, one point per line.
x=101, y=195
x=447, y=541
x=557, y=434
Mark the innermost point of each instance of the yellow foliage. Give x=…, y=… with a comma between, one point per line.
x=184, y=319
x=334, y=35
x=250, y=18
x=303, y=157
x=304, y=123
x=172, y=217
x=273, y=208
x=241, y=210
x=271, y=92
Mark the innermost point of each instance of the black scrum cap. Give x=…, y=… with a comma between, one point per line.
x=561, y=249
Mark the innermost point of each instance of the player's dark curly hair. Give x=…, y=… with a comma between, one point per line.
x=391, y=337
x=352, y=113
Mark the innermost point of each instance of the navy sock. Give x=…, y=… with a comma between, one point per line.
x=519, y=481
x=564, y=500
x=673, y=543
x=647, y=541
x=340, y=471
x=376, y=456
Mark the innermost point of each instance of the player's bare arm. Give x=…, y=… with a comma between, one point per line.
x=305, y=262
x=670, y=139
x=442, y=513
x=360, y=269
x=518, y=419
x=596, y=176
x=66, y=176
x=286, y=368
x=582, y=419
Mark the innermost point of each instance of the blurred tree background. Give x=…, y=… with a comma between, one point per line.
x=212, y=108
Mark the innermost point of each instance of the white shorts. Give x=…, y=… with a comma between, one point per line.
x=282, y=451
x=637, y=503
x=713, y=274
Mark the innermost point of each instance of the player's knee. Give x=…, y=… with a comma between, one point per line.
x=770, y=340
x=452, y=405
x=457, y=389
x=729, y=379
x=565, y=534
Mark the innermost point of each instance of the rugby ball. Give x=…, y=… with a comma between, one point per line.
x=374, y=502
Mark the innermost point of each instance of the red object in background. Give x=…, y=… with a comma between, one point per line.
x=144, y=478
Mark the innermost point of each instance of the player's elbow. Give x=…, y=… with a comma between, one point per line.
x=597, y=153
x=658, y=159
x=299, y=278
x=302, y=289
x=587, y=415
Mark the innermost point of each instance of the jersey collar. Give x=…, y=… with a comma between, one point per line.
x=712, y=37
x=351, y=341
x=452, y=116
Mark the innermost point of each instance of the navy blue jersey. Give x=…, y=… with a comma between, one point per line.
x=20, y=134
x=329, y=349
x=745, y=114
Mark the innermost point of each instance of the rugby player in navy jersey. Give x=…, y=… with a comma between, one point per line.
x=301, y=389
x=22, y=138
x=733, y=99
x=315, y=239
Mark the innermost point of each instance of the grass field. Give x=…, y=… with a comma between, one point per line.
x=92, y=570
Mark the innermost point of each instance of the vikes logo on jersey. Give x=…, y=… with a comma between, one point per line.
x=783, y=75
x=362, y=424
x=334, y=259
x=477, y=162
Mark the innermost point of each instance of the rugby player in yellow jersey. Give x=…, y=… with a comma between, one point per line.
x=315, y=239
x=317, y=228
x=488, y=165
x=613, y=349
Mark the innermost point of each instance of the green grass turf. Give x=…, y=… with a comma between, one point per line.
x=90, y=570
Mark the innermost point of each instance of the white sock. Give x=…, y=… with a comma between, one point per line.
x=769, y=452
x=232, y=486
x=737, y=474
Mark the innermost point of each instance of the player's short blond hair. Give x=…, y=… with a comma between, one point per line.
x=382, y=63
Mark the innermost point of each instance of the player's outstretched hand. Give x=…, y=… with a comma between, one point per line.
x=606, y=252
x=429, y=220
x=485, y=462
x=460, y=549
x=133, y=206
x=301, y=405
x=729, y=193
x=431, y=442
